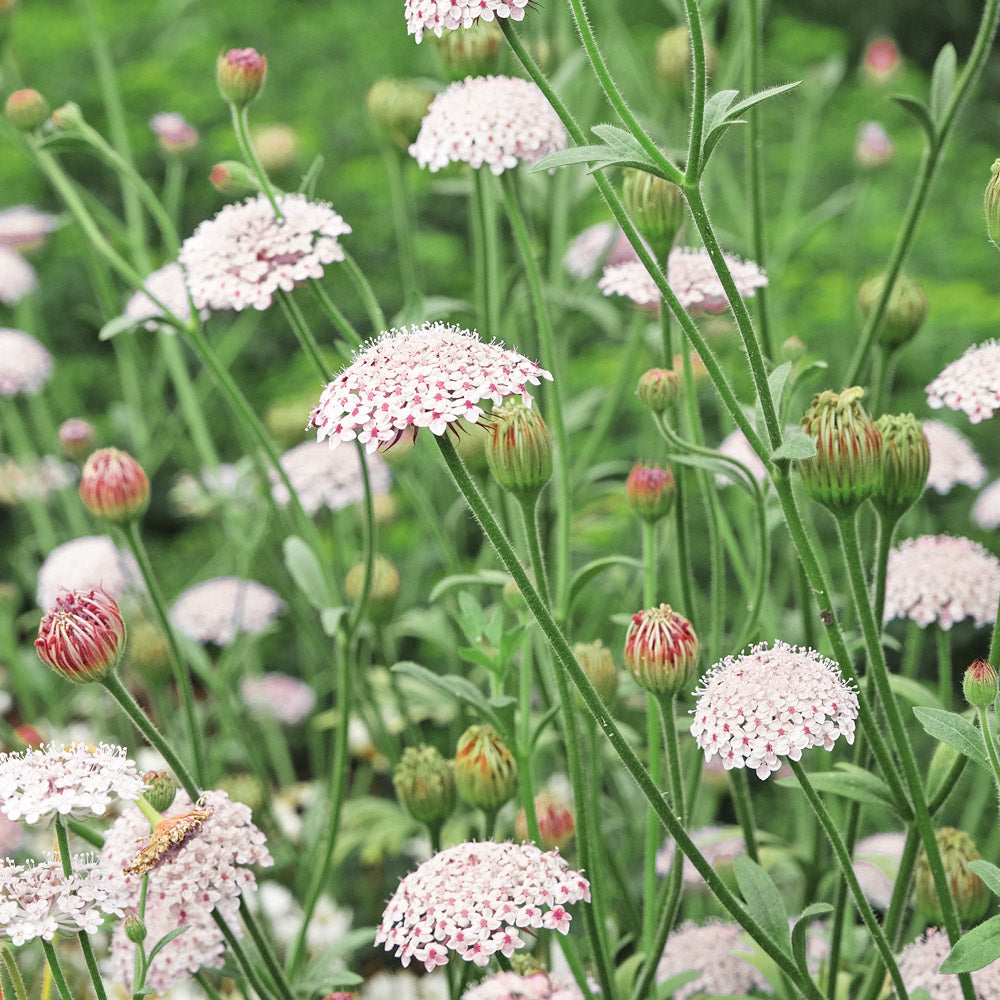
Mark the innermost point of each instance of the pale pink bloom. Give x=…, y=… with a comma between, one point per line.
x=25, y=365
x=770, y=703
x=496, y=121
x=873, y=147
x=953, y=459
x=216, y=610
x=690, y=275
x=206, y=872
x=323, y=477
x=245, y=254
x=716, y=843
x=941, y=579
x=174, y=132
x=735, y=445
x=876, y=864
x=33, y=478
x=278, y=696
x=604, y=243
x=476, y=899
x=712, y=950
x=23, y=228
x=970, y=384
x=986, y=509
x=73, y=780
x=438, y=15
x=11, y=836
x=881, y=60
x=87, y=563
x=170, y=288
x=17, y=277
x=921, y=962
x=420, y=376
x=538, y=986
x=405, y=985
x=36, y=900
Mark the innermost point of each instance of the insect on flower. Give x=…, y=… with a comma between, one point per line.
x=166, y=840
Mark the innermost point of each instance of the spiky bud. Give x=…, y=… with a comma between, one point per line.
x=992, y=202
x=485, y=769
x=979, y=685
x=83, y=636
x=233, y=179
x=397, y=108
x=659, y=389
x=240, y=74
x=906, y=461
x=472, y=52
x=26, y=110
x=661, y=651
x=113, y=486
x=555, y=822
x=425, y=784
x=599, y=666
x=384, y=586
x=847, y=467
x=656, y=206
x=904, y=313
x=967, y=889
x=160, y=790
x=519, y=449
x=76, y=439
x=673, y=57
x=650, y=492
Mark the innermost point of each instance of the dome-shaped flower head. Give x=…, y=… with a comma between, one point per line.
x=419, y=376
x=17, y=277
x=986, y=509
x=23, y=228
x=690, y=275
x=207, y=871
x=496, y=121
x=25, y=365
x=941, y=579
x=278, y=696
x=719, y=844
x=906, y=462
x=169, y=287
x=661, y=650
x=83, y=637
x=537, y=986
x=322, y=477
x=93, y=561
x=73, y=780
x=475, y=899
x=216, y=610
x=921, y=962
x=245, y=254
x=953, y=459
x=713, y=950
x=769, y=703
x=970, y=384
x=438, y=15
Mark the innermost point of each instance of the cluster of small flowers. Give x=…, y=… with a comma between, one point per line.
x=472, y=899
x=986, y=509
x=921, y=962
x=85, y=563
x=716, y=843
x=25, y=365
x=22, y=229
x=970, y=384
x=712, y=950
x=33, y=478
x=602, y=243
x=439, y=15
x=322, y=477
x=216, y=610
x=169, y=287
x=735, y=445
x=953, y=459
x=278, y=696
x=511, y=986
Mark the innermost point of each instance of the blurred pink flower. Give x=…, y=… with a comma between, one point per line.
x=873, y=147
x=278, y=696
x=921, y=961
x=25, y=365
x=712, y=950
x=496, y=121
x=170, y=288
x=438, y=15
x=876, y=864
x=735, y=445
x=602, y=244
x=23, y=228
x=537, y=986
x=953, y=459
x=85, y=563
x=716, y=843
x=881, y=61
x=324, y=477
x=33, y=478
x=175, y=134
x=986, y=509
x=970, y=384
x=17, y=277
x=216, y=610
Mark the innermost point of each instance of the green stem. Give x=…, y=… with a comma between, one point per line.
x=699, y=93
x=991, y=749
x=364, y=290
x=739, y=785
x=173, y=188
x=251, y=974
x=944, y=664
x=334, y=315
x=887, y=525
x=488, y=247
x=302, y=332
x=994, y=656
x=20, y=448
x=668, y=916
x=241, y=127
x=56, y=969
x=654, y=837
x=188, y=399
x=403, y=215
x=529, y=514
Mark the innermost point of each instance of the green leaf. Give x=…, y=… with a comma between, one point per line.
x=718, y=466
x=976, y=949
x=852, y=782
x=776, y=382
x=304, y=568
x=796, y=444
x=454, y=687
x=486, y=577
x=812, y=912
x=598, y=157
x=942, y=82
x=717, y=109
x=586, y=573
x=989, y=873
x=762, y=95
x=762, y=899
x=951, y=728
x=120, y=324
x=918, y=110
x=164, y=941
x=913, y=691
x=330, y=619
x=543, y=722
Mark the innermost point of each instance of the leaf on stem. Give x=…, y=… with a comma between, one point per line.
x=989, y=873
x=956, y=731
x=852, y=782
x=976, y=949
x=942, y=82
x=919, y=111
x=304, y=568
x=812, y=912
x=619, y=148
x=763, y=900
x=458, y=688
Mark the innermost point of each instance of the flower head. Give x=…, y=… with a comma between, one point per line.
x=556, y=823
x=770, y=703
x=216, y=610
x=661, y=650
x=114, y=486
x=921, y=962
x=519, y=449
x=174, y=133
x=881, y=61
x=650, y=491
x=23, y=228
x=425, y=784
x=953, y=459
x=438, y=15
x=85, y=563
x=25, y=365
x=986, y=509
x=970, y=384
x=74, y=780
x=83, y=637
x=17, y=277
x=245, y=254
x=873, y=148
x=600, y=244
x=240, y=74
x=474, y=899
x=719, y=844
x=170, y=288
x=76, y=438
x=323, y=477
x=496, y=121
x=419, y=376
x=485, y=769
x=537, y=986
x=968, y=890
x=938, y=578
x=712, y=950
x=906, y=460
x=26, y=109
x=278, y=696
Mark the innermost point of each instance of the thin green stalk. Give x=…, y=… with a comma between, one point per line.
x=303, y=333
x=364, y=290
x=666, y=335
x=567, y=661
x=944, y=664
x=991, y=749
x=175, y=176
x=241, y=127
x=699, y=92
x=654, y=746
x=57, y=973
x=10, y=966
x=994, y=656
x=529, y=514
x=41, y=520
x=209, y=990
x=267, y=989
x=739, y=786
x=334, y=315
x=401, y=196
x=668, y=916
x=488, y=249
x=886, y=526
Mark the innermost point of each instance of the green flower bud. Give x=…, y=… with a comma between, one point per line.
x=240, y=74
x=397, y=107
x=967, y=889
x=233, y=179
x=979, y=685
x=425, y=784
x=485, y=769
x=599, y=666
x=519, y=449
x=661, y=651
x=68, y=117
x=26, y=110
x=656, y=206
x=904, y=313
x=906, y=461
x=792, y=349
x=135, y=929
x=650, y=492
x=659, y=389
x=472, y=52
x=384, y=586
x=993, y=205
x=160, y=790
x=847, y=467
x=673, y=57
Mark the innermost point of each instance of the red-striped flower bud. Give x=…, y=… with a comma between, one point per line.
x=485, y=769
x=555, y=821
x=661, y=651
x=113, y=486
x=650, y=491
x=83, y=636
x=979, y=685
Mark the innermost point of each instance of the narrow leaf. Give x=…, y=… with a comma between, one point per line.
x=762, y=899
x=796, y=444
x=918, y=110
x=304, y=568
x=776, y=382
x=989, y=873
x=976, y=949
x=812, y=912
x=760, y=96
x=586, y=573
x=852, y=782
x=120, y=324
x=487, y=577
x=913, y=691
x=454, y=687
x=954, y=730
x=164, y=941
x=717, y=108
x=942, y=82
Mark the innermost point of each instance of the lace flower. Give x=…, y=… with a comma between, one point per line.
x=278, y=696
x=438, y=15
x=970, y=384
x=87, y=563
x=216, y=610
x=474, y=899
x=920, y=964
x=420, y=376
x=17, y=277
x=23, y=228
x=322, y=477
x=538, y=986
x=245, y=254
x=953, y=459
x=25, y=365
x=770, y=703
x=170, y=288
x=938, y=578
x=602, y=243
x=735, y=445
x=986, y=509
x=495, y=121
x=711, y=950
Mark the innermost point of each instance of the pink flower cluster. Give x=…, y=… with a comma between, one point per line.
x=511, y=986
x=278, y=696
x=770, y=703
x=711, y=950
x=420, y=376
x=921, y=962
x=953, y=459
x=170, y=288
x=438, y=15
x=216, y=610
x=84, y=564
x=716, y=843
x=970, y=384
x=474, y=899
x=25, y=365
x=322, y=477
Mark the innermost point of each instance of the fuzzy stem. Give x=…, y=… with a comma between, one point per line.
x=56, y=969
x=10, y=967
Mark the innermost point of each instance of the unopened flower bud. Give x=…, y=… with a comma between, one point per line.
x=384, y=586
x=83, y=636
x=599, y=666
x=673, y=57
x=659, y=389
x=847, y=466
x=277, y=147
x=425, y=784
x=26, y=110
x=148, y=650
x=485, y=769
x=472, y=52
x=135, y=929
x=397, y=108
x=519, y=449
x=873, y=148
x=68, y=117
x=661, y=651
x=656, y=206
x=992, y=201
x=76, y=438
x=175, y=135
x=881, y=61
x=979, y=685
x=792, y=349
x=160, y=790
x=240, y=74
x=967, y=889
x=114, y=486
x=906, y=462
x=650, y=492
x=555, y=822
x=233, y=179
x=904, y=313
